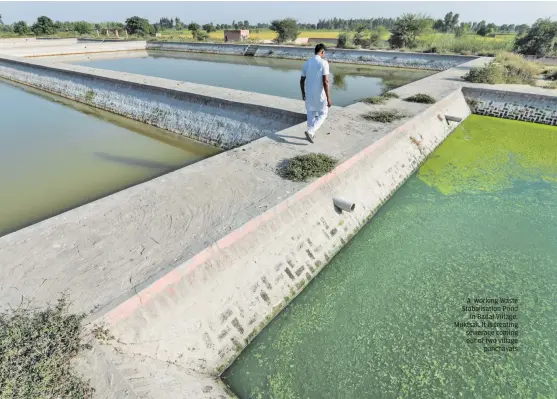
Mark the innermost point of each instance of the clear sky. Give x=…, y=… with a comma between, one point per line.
x=505, y=12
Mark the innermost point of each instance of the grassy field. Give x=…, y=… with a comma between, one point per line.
x=441, y=42
x=468, y=44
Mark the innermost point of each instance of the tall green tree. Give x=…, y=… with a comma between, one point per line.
x=193, y=27
x=82, y=27
x=21, y=28
x=43, y=26
x=406, y=30
x=286, y=29
x=522, y=29
x=166, y=23
x=540, y=40
x=209, y=28
x=482, y=29
x=139, y=26
x=450, y=22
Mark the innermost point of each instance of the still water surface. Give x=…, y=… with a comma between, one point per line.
x=56, y=154
x=479, y=220
x=276, y=77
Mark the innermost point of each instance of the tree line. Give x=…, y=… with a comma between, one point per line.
x=539, y=39
x=450, y=24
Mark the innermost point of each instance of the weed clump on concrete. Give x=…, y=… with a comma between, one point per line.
x=390, y=94
x=375, y=100
x=382, y=99
x=305, y=167
x=506, y=68
x=36, y=349
x=421, y=98
x=384, y=116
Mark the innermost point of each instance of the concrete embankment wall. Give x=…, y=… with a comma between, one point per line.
x=18, y=41
x=45, y=48
x=366, y=57
x=221, y=117
x=524, y=105
x=201, y=314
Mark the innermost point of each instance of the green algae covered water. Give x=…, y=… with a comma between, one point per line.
x=385, y=318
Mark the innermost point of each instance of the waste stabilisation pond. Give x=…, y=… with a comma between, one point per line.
x=56, y=154
x=277, y=77
x=478, y=220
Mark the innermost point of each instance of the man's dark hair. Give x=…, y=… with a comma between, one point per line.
x=319, y=48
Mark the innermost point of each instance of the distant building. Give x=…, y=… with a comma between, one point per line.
x=236, y=35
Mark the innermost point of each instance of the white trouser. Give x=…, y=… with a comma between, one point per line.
x=315, y=120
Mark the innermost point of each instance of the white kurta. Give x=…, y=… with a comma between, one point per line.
x=313, y=70
x=316, y=100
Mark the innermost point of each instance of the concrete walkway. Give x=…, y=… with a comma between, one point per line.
x=105, y=251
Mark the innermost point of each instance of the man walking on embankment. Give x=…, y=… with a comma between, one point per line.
x=316, y=91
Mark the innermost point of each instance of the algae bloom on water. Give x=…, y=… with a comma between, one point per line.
x=487, y=154
x=479, y=220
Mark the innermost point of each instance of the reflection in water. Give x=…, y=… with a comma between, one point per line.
x=133, y=161
x=277, y=77
x=339, y=81
x=62, y=158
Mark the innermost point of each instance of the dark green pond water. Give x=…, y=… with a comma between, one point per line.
x=479, y=220
x=276, y=77
x=56, y=155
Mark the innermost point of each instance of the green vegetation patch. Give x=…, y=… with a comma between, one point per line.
x=390, y=94
x=375, y=100
x=421, y=98
x=384, y=116
x=305, y=167
x=36, y=349
x=382, y=99
x=487, y=154
x=506, y=68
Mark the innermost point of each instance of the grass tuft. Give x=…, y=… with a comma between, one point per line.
x=421, y=98
x=382, y=99
x=384, y=116
x=36, y=349
x=390, y=94
x=304, y=167
x=375, y=100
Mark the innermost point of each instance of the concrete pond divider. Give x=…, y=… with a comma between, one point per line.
x=222, y=117
x=186, y=269
x=436, y=62
x=54, y=47
x=200, y=315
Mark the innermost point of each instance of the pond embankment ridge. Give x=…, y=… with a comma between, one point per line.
x=185, y=269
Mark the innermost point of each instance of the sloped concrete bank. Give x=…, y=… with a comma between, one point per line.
x=436, y=62
x=221, y=117
x=528, y=104
x=45, y=48
x=200, y=315
x=131, y=242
